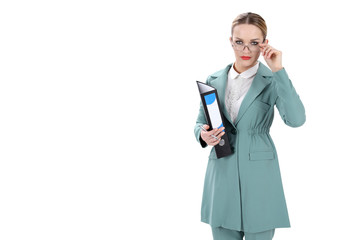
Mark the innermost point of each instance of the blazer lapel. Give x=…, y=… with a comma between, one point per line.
x=259, y=83
x=220, y=84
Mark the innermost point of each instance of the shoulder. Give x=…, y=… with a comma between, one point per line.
x=267, y=74
x=265, y=70
x=219, y=72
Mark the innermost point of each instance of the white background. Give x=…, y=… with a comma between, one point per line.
x=98, y=102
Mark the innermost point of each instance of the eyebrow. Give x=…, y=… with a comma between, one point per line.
x=250, y=40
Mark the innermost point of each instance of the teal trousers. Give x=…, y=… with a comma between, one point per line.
x=220, y=233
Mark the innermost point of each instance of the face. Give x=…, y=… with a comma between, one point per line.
x=245, y=40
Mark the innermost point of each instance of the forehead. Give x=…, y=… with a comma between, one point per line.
x=247, y=31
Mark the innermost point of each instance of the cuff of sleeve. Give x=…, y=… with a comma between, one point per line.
x=281, y=74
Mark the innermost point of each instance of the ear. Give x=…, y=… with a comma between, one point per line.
x=230, y=40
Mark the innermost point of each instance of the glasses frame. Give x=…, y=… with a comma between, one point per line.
x=237, y=47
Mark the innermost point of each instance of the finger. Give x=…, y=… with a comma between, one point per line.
x=216, y=132
x=212, y=141
x=219, y=137
x=263, y=50
x=266, y=49
x=212, y=131
x=271, y=52
x=222, y=134
x=214, y=138
x=219, y=131
x=263, y=44
x=209, y=137
x=217, y=142
x=206, y=126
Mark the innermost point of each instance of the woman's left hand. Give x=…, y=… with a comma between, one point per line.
x=272, y=56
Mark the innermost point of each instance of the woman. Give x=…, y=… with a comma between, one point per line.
x=243, y=193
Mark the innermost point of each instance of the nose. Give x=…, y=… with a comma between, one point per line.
x=247, y=48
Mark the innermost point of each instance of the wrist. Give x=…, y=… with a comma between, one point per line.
x=275, y=69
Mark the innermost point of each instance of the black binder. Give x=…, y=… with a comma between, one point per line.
x=214, y=116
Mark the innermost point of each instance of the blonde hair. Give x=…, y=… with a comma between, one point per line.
x=250, y=18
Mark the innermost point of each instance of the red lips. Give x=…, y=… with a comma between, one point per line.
x=245, y=57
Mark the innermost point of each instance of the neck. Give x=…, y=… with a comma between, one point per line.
x=238, y=68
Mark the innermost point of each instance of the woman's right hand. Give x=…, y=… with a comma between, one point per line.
x=210, y=140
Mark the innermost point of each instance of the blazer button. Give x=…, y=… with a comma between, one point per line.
x=233, y=131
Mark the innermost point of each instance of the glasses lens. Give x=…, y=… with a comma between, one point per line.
x=241, y=46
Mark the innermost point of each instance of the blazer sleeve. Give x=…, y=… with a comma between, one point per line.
x=288, y=102
x=201, y=120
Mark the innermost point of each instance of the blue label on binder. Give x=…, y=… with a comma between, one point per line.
x=209, y=99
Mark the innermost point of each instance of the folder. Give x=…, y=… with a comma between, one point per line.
x=214, y=116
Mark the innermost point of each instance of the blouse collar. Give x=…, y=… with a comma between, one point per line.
x=246, y=74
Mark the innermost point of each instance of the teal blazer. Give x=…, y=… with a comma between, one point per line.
x=244, y=191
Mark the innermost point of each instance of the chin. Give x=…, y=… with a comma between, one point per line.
x=247, y=62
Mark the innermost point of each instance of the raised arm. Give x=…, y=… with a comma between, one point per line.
x=288, y=102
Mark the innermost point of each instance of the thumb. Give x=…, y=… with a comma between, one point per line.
x=206, y=126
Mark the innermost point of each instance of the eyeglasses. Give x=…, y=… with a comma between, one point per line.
x=253, y=47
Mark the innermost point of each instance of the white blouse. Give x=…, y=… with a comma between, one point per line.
x=238, y=84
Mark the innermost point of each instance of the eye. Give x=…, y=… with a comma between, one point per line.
x=254, y=43
x=238, y=42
